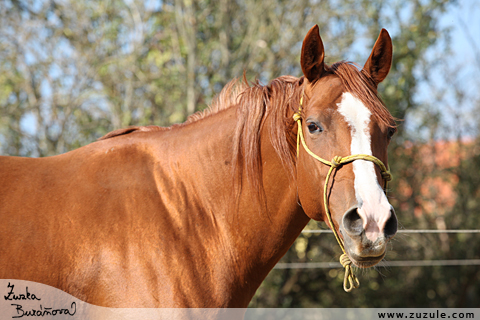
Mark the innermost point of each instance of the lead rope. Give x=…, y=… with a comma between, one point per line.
x=350, y=281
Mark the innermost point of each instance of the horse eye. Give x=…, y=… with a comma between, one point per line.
x=391, y=132
x=314, y=128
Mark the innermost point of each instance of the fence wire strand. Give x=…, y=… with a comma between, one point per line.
x=403, y=231
x=406, y=263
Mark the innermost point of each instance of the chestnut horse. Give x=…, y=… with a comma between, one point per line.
x=197, y=214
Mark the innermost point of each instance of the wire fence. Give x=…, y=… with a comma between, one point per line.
x=387, y=264
x=405, y=263
x=403, y=231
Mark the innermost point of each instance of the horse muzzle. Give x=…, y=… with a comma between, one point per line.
x=366, y=251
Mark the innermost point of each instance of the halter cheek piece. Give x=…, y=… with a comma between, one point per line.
x=350, y=281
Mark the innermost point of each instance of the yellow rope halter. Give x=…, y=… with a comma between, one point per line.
x=349, y=279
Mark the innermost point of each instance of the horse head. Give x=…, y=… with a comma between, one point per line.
x=342, y=118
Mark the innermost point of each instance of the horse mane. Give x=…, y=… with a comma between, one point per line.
x=225, y=99
x=256, y=103
x=229, y=96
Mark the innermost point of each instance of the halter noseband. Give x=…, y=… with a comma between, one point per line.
x=349, y=279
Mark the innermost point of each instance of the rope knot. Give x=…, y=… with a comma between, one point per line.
x=350, y=281
x=345, y=260
x=297, y=116
x=336, y=161
x=387, y=175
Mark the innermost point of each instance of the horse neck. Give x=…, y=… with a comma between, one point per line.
x=269, y=230
x=255, y=232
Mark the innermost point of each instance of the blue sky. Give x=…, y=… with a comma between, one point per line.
x=463, y=71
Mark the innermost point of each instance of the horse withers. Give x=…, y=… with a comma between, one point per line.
x=197, y=214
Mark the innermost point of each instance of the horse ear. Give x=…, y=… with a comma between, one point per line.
x=380, y=60
x=312, y=55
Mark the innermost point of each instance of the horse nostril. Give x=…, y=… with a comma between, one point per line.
x=391, y=226
x=352, y=222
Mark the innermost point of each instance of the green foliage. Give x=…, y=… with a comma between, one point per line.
x=127, y=63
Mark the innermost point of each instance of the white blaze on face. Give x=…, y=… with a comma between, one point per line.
x=374, y=208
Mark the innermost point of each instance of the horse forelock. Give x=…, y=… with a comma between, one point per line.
x=361, y=85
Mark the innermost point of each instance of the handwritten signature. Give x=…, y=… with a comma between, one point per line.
x=39, y=312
